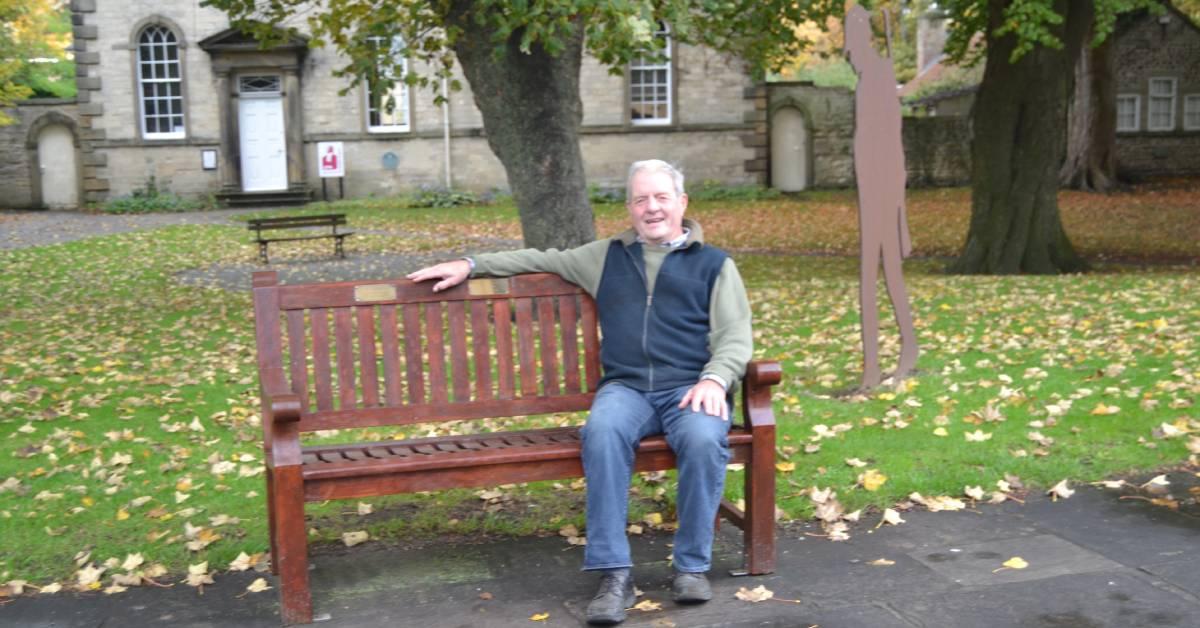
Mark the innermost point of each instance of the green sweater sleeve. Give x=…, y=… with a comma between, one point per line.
x=581, y=265
x=730, y=340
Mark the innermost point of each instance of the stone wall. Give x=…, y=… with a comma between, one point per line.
x=1147, y=46
x=937, y=149
x=20, y=183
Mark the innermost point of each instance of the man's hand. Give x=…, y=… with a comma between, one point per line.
x=450, y=274
x=708, y=395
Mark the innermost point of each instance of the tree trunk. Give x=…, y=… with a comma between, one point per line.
x=531, y=114
x=1019, y=123
x=1092, y=123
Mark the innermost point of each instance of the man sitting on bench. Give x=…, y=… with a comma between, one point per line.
x=676, y=325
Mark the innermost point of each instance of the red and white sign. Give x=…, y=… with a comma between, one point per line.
x=331, y=159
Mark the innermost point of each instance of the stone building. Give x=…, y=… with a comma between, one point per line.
x=170, y=95
x=1157, y=64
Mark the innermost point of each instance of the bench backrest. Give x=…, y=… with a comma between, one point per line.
x=368, y=353
x=294, y=222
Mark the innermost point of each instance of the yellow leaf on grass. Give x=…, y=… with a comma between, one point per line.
x=786, y=467
x=978, y=436
x=872, y=479
x=122, y=514
x=1102, y=409
x=654, y=518
x=354, y=538
x=940, y=431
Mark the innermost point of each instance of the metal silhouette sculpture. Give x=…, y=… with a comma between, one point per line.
x=880, y=173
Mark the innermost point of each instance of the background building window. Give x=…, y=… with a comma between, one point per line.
x=387, y=109
x=160, y=84
x=650, y=85
x=1161, y=116
x=1191, y=112
x=1127, y=112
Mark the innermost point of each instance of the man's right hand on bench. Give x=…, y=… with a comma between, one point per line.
x=450, y=274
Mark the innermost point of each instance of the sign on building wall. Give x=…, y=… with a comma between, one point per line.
x=331, y=159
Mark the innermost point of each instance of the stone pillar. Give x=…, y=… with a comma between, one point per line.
x=94, y=182
x=756, y=114
x=228, y=166
x=293, y=103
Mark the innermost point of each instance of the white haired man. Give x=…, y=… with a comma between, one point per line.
x=676, y=326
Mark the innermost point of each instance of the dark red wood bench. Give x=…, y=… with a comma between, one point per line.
x=371, y=353
x=333, y=221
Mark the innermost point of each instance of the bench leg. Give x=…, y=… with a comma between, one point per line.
x=271, y=521
x=262, y=252
x=759, y=531
x=337, y=247
x=291, y=546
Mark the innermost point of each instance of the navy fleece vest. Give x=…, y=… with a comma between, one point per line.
x=659, y=343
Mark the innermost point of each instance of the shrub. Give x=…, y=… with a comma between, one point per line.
x=710, y=190
x=148, y=200
x=441, y=197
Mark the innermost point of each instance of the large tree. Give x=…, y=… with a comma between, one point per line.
x=522, y=59
x=33, y=34
x=1019, y=125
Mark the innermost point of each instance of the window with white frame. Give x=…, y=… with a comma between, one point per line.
x=1191, y=112
x=1128, y=106
x=387, y=108
x=650, y=84
x=160, y=83
x=1161, y=114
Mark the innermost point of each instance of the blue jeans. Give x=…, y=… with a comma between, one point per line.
x=619, y=419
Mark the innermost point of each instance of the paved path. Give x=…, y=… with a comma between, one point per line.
x=1094, y=561
x=21, y=229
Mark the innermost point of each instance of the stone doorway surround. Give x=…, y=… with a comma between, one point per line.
x=233, y=54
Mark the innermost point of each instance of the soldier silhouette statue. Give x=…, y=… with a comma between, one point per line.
x=879, y=170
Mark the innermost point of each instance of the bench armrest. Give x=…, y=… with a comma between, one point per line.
x=282, y=404
x=761, y=375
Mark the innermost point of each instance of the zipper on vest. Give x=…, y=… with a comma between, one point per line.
x=645, y=339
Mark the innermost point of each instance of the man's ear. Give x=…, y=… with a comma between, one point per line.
x=683, y=201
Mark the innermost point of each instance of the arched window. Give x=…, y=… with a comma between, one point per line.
x=650, y=84
x=160, y=83
x=387, y=109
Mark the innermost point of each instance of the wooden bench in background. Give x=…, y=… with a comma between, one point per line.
x=259, y=225
x=366, y=354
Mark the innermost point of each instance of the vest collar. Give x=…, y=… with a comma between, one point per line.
x=695, y=235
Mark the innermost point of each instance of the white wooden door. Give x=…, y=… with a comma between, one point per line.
x=56, y=162
x=263, y=144
x=789, y=150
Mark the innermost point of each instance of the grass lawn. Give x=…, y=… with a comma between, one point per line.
x=128, y=401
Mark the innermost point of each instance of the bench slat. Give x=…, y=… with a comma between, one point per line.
x=481, y=349
x=342, y=294
x=413, y=364
x=456, y=318
x=343, y=338
x=591, y=345
x=297, y=357
x=366, y=355
x=504, y=348
x=437, y=353
x=525, y=347
x=429, y=412
x=321, y=367
x=570, y=343
x=546, y=333
x=391, y=355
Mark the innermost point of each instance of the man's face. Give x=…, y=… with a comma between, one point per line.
x=654, y=208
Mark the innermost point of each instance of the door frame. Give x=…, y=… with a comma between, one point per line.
x=51, y=118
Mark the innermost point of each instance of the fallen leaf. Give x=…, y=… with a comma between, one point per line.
x=855, y=462
x=891, y=517
x=1016, y=562
x=258, y=586
x=485, y=596
x=132, y=561
x=785, y=467
x=1060, y=490
x=978, y=436
x=1102, y=409
x=365, y=509
x=647, y=606
x=539, y=617
x=757, y=594
x=882, y=562
x=974, y=492
x=53, y=587
x=354, y=538
x=872, y=479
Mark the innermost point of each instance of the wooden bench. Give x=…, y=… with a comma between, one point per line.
x=259, y=225
x=399, y=354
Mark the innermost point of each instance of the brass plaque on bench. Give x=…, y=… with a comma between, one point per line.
x=375, y=292
x=480, y=287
